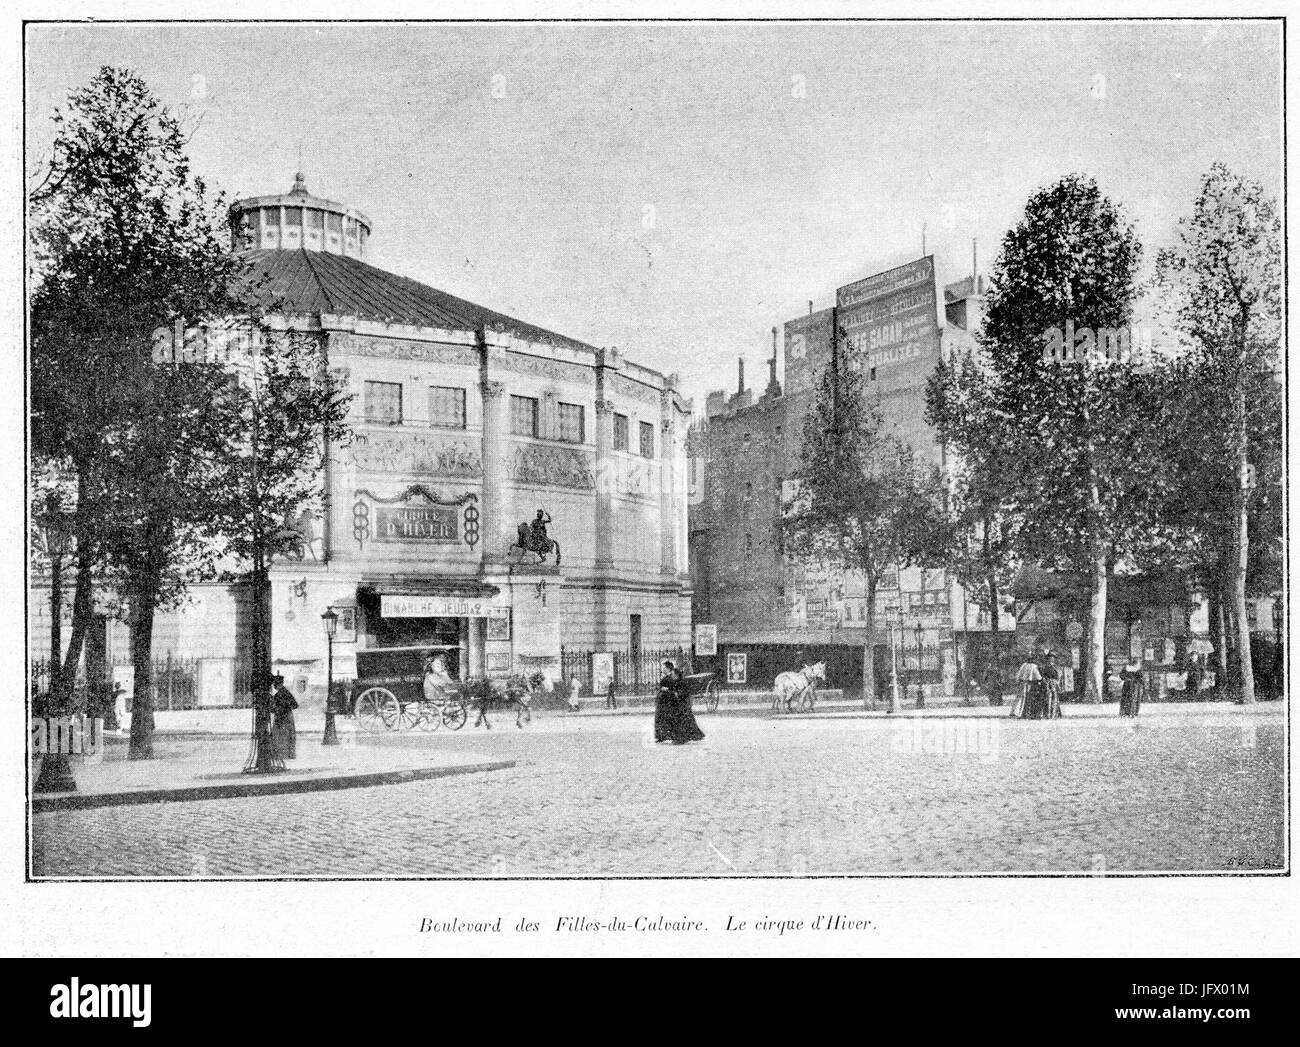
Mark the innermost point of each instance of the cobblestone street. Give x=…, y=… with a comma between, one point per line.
x=1181, y=788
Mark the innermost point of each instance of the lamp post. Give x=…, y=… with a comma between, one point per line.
x=920, y=692
x=331, y=620
x=894, y=704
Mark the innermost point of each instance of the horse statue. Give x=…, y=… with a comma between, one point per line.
x=800, y=686
x=534, y=539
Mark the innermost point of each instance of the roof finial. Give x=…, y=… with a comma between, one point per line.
x=299, y=179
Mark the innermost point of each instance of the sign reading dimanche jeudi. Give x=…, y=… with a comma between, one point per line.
x=398, y=606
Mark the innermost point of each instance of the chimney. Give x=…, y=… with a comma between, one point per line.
x=773, y=386
x=740, y=384
x=974, y=267
x=810, y=307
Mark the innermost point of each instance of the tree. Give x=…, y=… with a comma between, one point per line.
x=982, y=477
x=861, y=500
x=1065, y=397
x=291, y=410
x=160, y=531
x=1225, y=275
x=125, y=241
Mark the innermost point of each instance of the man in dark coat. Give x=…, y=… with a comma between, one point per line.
x=284, y=734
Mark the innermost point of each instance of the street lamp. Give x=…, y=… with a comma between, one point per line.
x=331, y=620
x=894, y=704
x=920, y=693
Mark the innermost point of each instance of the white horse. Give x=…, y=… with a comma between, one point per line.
x=801, y=685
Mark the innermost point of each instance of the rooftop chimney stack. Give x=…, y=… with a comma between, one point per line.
x=773, y=386
x=740, y=383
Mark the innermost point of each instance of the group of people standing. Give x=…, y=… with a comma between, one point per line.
x=1041, y=697
x=674, y=718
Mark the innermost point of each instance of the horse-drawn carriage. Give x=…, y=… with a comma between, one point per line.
x=702, y=686
x=396, y=690
x=389, y=693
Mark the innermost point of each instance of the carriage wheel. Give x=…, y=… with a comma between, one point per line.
x=430, y=718
x=454, y=715
x=408, y=716
x=711, y=696
x=377, y=709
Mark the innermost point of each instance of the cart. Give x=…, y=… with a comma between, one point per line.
x=702, y=686
x=388, y=694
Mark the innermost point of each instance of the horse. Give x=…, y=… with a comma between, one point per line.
x=528, y=543
x=519, y=690
x=801, y=685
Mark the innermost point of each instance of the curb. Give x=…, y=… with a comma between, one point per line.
x=271, y=786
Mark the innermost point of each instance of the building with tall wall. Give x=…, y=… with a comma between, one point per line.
x=894, y=327
x=466, y=423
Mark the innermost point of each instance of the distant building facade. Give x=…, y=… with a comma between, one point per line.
x=895, y=327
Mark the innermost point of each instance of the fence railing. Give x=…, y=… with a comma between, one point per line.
x=175, y=685
x=635, y=672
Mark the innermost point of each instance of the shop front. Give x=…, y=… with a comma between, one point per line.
x=455, y=621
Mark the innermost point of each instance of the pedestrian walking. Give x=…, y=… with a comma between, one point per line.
x=575, y=689
x=610, y=702
x=284, y=735
x=1051, y=687
x=1130, y=695
x=486, y=696
x=674, y=719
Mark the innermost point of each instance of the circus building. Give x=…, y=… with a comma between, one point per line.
x=467, y=424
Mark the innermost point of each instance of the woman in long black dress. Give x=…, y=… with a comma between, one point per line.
x=679, y=724
x=667, y=686
x=284, y=734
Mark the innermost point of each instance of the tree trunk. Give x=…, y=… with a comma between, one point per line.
x=264, y=758
x=869, y=647
x=56, y=626
x=82, y=606
x=1219, y=625
x=1237, y=594
x=142, y=614
x=1095, y=683
x=996, y=698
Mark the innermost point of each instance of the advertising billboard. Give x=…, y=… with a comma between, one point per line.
x=890, y=318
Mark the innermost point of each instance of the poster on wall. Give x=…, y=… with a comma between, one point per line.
x=498, y=628
x=346, y=629
x=737, y=668
x=602, y=671
x=706, y=640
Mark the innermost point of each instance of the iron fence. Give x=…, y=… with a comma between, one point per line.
x=635, y=672
x=175, y=685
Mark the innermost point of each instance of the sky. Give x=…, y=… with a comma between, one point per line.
x=678, y=189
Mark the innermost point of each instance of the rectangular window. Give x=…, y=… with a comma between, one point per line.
x=384, y=403
x=647, y=440
x=447, y=407
x=572, y=423
x=620, y=432
x=523, y=415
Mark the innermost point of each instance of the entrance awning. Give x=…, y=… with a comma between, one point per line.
x=466, y=588
x=435, y=598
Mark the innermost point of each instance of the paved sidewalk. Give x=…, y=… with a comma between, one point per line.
x=211, y=768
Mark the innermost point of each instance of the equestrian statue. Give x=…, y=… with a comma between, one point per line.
x=534, y=539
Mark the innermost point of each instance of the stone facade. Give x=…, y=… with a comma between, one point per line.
x=461, y=434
